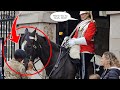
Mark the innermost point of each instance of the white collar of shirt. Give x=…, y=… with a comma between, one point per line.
x=114, y=68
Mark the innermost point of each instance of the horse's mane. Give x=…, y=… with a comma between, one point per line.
x=45, y=41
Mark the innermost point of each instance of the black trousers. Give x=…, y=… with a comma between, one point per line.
x=84, y=64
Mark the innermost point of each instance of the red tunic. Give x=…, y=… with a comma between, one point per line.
x=88, y=35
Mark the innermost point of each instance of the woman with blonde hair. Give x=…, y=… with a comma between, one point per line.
x=111, y=66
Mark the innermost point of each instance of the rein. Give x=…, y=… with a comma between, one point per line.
x=58, y=62
x=35, y=46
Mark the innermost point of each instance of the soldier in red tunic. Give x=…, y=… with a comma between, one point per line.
x=83, y=37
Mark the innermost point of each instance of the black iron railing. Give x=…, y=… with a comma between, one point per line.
x=6, y=19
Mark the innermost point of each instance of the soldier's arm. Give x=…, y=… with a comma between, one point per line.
x=89, y=34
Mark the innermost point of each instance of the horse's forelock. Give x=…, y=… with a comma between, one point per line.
x=23, y=44
x=40, y=39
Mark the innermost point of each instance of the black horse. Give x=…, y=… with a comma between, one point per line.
x=61, y=65
x=37, y=46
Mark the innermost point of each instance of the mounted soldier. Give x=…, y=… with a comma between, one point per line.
x=82, y=43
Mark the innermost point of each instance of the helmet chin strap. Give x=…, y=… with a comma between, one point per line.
x=91, y=15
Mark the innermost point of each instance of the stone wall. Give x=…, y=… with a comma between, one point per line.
x=39, y=19
x=114, y=32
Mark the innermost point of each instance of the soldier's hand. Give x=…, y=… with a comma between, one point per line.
x=71, y=42
x=66, y=38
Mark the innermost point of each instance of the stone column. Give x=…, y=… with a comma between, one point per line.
x=114, y=45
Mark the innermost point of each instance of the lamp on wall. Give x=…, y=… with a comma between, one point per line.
x=102, y=13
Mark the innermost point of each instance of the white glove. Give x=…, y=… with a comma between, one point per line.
x=71, y=42
x=81, y=41
x=65, y=38
x=64, y=43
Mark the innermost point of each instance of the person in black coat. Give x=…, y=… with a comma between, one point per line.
x=111, y=66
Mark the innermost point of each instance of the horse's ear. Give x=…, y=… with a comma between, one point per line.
x=24, y=36
x=33, y=33
x=26, y=30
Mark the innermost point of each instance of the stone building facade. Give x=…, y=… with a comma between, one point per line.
x=114, y=44
x=41, y=20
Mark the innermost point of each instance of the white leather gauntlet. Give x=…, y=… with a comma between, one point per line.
x=81, y=41
x=74, y=41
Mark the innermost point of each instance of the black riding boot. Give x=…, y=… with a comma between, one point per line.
x=77, y=64
x=77, y=72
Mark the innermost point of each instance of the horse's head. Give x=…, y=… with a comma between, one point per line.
x=30, y=44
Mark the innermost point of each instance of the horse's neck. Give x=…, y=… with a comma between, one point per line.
x=45, y=54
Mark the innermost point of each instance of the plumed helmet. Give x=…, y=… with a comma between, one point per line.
x=90, y=12
x=82, y=12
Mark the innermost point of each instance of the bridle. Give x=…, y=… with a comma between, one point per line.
x=55, y=65
x=30, y=57
x=34, y=45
